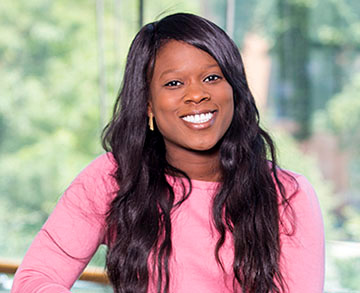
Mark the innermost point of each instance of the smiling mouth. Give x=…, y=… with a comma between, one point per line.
x=198, y=118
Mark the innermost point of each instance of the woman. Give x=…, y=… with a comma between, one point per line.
x=191, y=202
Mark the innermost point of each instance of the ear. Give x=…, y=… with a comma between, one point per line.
x=149, y=109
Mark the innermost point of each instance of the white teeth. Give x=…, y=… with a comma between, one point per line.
x=198, y=118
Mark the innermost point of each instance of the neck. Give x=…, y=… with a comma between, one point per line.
x=198, y=165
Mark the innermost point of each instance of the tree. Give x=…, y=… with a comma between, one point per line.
x=49, y=106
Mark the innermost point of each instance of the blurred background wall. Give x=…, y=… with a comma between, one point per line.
x=61, y=65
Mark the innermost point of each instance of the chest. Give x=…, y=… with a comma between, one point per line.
x=193, y=265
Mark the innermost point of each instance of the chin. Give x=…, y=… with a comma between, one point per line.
x=205, y=147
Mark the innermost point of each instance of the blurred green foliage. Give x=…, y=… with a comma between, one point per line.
x=342, y=115
x=342, y=118
x=49, y=101
x=48, y=110
x=348, y=272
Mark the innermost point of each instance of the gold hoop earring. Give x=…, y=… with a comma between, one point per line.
x=151, y=122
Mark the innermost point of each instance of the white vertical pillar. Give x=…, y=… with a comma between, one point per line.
x=101, y=60
x=117, y=55
x=230, y=17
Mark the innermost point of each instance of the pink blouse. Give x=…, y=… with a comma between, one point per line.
x=76, y=228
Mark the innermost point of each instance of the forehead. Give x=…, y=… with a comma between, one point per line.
x=177, y=55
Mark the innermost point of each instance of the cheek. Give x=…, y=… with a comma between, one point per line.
x=230, y=114
x=229, y=108
x=164, y=109
x=164, y=105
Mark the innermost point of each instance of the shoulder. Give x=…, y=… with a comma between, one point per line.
x=302, y=236
x=95, y=183
x=304, y=205
x=103, y=165
x=98, y=173
x=298, y=188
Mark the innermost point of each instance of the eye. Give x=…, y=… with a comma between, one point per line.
x=212, y=77
x=173, y=83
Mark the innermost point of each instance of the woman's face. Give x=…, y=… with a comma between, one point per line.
x=191, y=100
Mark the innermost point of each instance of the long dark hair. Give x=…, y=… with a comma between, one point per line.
x=247, y=201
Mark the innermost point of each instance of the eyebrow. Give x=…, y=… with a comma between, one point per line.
x=174, y=71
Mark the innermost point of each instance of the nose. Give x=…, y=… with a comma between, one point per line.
x=195, y=93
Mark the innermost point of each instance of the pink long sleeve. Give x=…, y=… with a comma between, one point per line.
x=303, y=254
x=71, y=235
x=74, y=230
